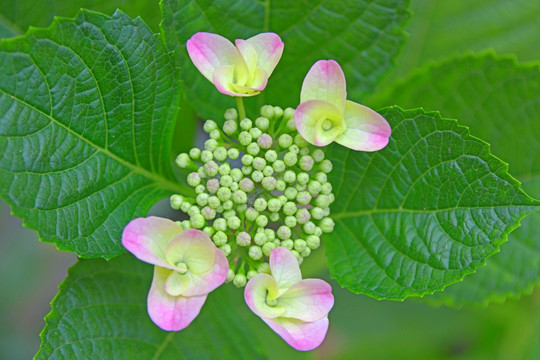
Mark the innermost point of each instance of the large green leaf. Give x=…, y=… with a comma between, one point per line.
x=423, y=212
x=100, y=313
x=442, y=28
x=500, y=100
x=363, y=36
x=88, y=108
x=19, y=15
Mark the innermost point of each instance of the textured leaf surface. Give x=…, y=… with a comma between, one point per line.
x=100, y=313
x=500, y=101
x=442, y=28
x=363, y=36
x=88, y=109
x=19, y=15
x=423, y=212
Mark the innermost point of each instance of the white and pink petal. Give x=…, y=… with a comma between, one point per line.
x=284, y=268
x=204, y=283
x=260, y=289
x=325, y=81
x=307, y=300
x=268, y=47
x=303, y=336
x=311, y=114
x=193, y=248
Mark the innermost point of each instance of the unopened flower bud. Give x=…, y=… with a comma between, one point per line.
x=255, y=252
x=326, y=188
x=309, y=228
x=298, y=256
x=201, y=172
x=290, y=159
x=314, y=187
x=265, y=141
x=230, y=276
x=267, y=248
x=299, y=245
x=233, y=153
x=206, y=156
x=197, y=221
x=185, y=207
x=318, y=155
x=291, y=126
x=290, y=193
x=239, y=280
x=290, y=221
x=243, y=239
x=211, y=145
x=226, y=249
x=261, y=221
x=214, y=202
x=193, y=179
x=246, y=170
x=280, y=185
x=325, y=166
x=176, y=201
x=268, y=170
x=255, y=133
x=231, y=114
x=253, y=149
x=274, y=205
x=234, y=186
x=227, y=205
x=288, y=113
x=323, y=201
x=304, y=151
x=224, y=169
x=230, y=127
x=306, y=252
x=212, y=185
x=318, y=231
x=195, y=153
x=302, y=178
x=183, y=161
x=300, y=141
x=269, y=183
x=220, y=224
x=263, y=268
x=260, y=204
x=271, y=156
x=327, y=225
x=313, y=241
x=294, y=149
x=210, y=231
x=267, y=111
x=246, y=124
x=251, y=273
x=259, y=163
x=259, y=238
x=285, y=141
x=302, y=215
x=193, y=210
x=202, y=199
x=236, y=174
x=257, y=176
x=186, y=225
x=209, y=125
x=284, y=232
x=208, y=213
x=233, y=222
x=317, y=213
x=251, y=214
x=278, y=112
x=244, y=138
x=306, y=163
x=289, y=244
x=215, y=134
x=274, y=217
x=303, y=198
x=239, y=197
x=246, y=185
x=262, y=123
x=220, y=154
x=278, y=165
x=224, y=194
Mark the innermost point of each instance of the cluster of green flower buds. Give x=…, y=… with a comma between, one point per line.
x=259, y=186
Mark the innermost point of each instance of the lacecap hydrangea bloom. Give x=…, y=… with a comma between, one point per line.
x=325, y=115
x=188, y=266
x=241, y=70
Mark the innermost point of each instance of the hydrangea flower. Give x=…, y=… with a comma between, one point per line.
x=241, y=70
x=188, y=266
x=296, y=309
x=324, y=115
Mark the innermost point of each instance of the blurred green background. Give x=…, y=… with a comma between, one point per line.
x=361, y=328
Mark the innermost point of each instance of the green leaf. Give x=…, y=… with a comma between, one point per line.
x=442, y=28
x=500, y=100
x=21, y=14
x=363, y=36
x=88, y=113
x=100, y=313
x=423, y=212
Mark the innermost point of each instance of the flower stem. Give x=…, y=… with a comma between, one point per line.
x=241, y=108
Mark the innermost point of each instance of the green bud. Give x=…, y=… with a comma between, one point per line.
x=285, y=141
x=269, y=183
x=211, y=145
x=261, y=220
x=229, y=213
x=214, y=202
x=215, y=134
x=239, y=280
x=255, y=133
x=183, y=161
x=265, y=141
x=209, y=125
x=267, y=248
x=193, y=179
x=241, y=208
x=259, y=238
x=280, y=185
x=309, y=228
x=210, y=231
x=326, y=188
x=262, y=123
x=253, y=149
x=246, y=124
x=206, y=156
x=302, y=215
x=304, y=151
x=274, y=205
x=185, y=207
x=327, y=225
x=246, y=185
x=289, y=176
x=259, y=163
x=298, y=256
x=226, y=249
x=288, y=113
x=197, y=221
x=303, y=198
x=246, y=170
x=244, y=138
x=291, y=126
x=231, y=114
x=251, y=273
x=234, y=186
x=313, y=242
x=236, y=174
x=268, y=171
x=260, y=204
x=274, y=217
x=201, y=172
x=318, y=231
x=278, y=112
x=193, y=210
x=314, y=187
x=230, y=276
x=224, y=169
x=233, y=153
x=322, y=201
x=257, y=176
x=284, y=232
x=306, y=163
x=294, y=149
x=195, y=153
x=325, y=166
x=176, y=201
x=300, y=141
x=317, y=213
x=208, y=213
x=247, y=159
x=289, y=208
x=277, y=243
x=270, y=234
x=299, y=245
x=290, y=221
x=288, y=244
x=279, y=166
x=302, y=178
x=306, y=252
x=220, y=154
x=186, y=225
x=255, y=252
x=290, y=193
x=212, y=185
x=224, y=194
x=243, y=239
x=227, y=205
x=220, y=224
x=300, y=187
x=233, y=222
x=239, y=197
x=225, y=181
x=318, y=155
x=271, y=156
x=251, y=214
x=230, y=127
x=267, y=111
x=263, y=268
x=199, y=189
x=202, y=199
x=290, y=159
